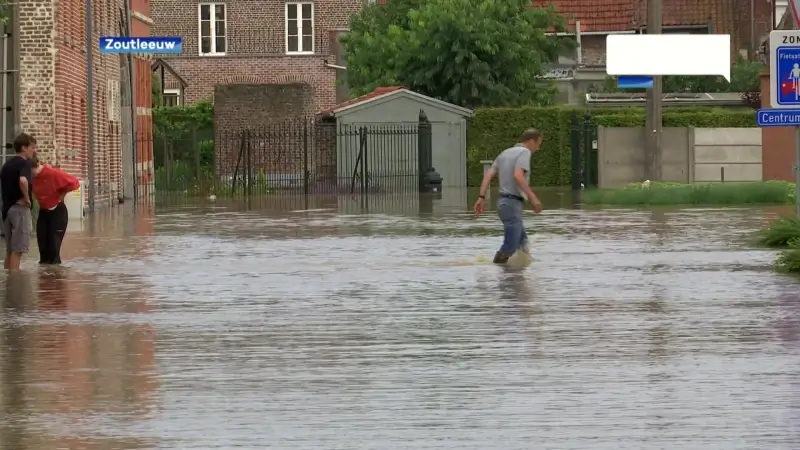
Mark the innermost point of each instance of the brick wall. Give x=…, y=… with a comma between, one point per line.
x=37, y=72
x=241, y=106
x=71, y=94
x=53, y=89
x=141, y=26
x=255, y=47
x=276, y=117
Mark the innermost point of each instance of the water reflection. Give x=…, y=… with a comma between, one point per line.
x=73, y=378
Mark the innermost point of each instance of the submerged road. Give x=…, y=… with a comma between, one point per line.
x=208, y=328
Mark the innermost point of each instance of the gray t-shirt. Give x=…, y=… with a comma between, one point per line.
x=517, y=157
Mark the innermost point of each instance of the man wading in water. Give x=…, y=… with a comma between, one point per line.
x=513, y=167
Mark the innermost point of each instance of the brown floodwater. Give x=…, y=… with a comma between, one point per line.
x=379, y=323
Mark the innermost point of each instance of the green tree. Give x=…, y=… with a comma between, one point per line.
x=467, y=52
x=744, y=78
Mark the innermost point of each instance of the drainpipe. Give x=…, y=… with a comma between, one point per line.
x=90, y=102
x=17, y=66
x=773, y=7
x=753, y=30
x=578, y=40
x=134, y=117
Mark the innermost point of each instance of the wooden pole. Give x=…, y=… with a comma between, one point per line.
x=654, y=113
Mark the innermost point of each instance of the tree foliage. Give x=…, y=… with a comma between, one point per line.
x=467, y=52
x=177, y=122
x=744, y=78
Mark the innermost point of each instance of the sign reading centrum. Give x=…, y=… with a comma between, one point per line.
x=778, y=117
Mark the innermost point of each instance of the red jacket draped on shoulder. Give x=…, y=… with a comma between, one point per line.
x=51, y=185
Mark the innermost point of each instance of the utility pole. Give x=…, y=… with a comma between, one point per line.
x=653, y=119
x=90, y=46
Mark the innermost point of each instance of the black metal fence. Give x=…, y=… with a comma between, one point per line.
x=583, y=136
x=305, y=156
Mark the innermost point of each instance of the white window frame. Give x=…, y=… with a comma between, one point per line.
x=176, y=93
x=212, y=7
x=300, y=19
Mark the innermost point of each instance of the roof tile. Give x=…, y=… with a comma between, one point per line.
x=353, y=101
x=621, y=15
x=595, y=15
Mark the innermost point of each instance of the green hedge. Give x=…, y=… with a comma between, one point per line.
x=492, y=130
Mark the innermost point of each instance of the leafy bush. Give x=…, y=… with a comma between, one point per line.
x=788, y=260
x=637, y=194
x=492, y=130
x=780, y=232
x=179, y=120
x=183, y=146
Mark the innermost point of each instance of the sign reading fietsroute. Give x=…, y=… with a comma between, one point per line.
x=152, y=44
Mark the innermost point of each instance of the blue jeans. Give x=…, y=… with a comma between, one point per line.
x=510, y=212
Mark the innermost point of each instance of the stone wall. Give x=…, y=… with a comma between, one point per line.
x=726, y=154
x=688, y=155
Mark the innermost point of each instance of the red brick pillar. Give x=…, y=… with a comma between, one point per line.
x=37, y=68
x=777, y=144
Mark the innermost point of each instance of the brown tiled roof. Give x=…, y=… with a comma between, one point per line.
x=595, y=15
x=353, y=101
x=621, y=15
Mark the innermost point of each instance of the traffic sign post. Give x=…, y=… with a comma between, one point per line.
x=784, y=80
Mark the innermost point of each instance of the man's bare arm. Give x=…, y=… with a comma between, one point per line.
x=519, y=176
x=487, y=181
x=23, y=187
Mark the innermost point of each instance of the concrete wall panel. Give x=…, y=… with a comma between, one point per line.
x=689, y=154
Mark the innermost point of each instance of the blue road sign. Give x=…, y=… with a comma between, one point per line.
x=634, y=82
x=778, y=117
x=787, y=81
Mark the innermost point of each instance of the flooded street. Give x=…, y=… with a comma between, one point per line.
x=328, y=324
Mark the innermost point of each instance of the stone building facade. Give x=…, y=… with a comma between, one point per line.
x=267, y=42
x=53, y=91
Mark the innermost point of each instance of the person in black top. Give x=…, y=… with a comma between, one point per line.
x=17, y=193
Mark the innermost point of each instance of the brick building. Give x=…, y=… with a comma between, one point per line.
x=265, y=43
x=53, y=91
x=599, y=18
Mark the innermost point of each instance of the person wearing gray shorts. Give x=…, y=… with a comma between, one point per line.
x=17, y=192
x=17, y=227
